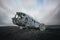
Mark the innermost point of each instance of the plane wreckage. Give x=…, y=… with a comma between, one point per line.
x=24, y=21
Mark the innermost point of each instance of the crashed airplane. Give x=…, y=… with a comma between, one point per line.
x=23, y=20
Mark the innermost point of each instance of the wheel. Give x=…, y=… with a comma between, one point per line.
x=42, y=27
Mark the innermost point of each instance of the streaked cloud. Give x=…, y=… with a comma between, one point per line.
x=43, y=11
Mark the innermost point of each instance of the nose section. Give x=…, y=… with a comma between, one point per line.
x=20, y=15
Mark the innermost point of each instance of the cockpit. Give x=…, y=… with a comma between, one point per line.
x=20, y=15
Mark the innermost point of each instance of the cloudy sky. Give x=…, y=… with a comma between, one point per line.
x=44, y=11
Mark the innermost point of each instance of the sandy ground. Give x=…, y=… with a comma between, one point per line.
x=14, y=33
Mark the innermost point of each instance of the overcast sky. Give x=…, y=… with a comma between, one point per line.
x=44, y=11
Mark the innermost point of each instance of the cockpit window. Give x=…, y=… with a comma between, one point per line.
x=23, y=14
x=16, y=16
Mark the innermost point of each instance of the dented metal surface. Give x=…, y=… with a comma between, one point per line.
x=22, y=19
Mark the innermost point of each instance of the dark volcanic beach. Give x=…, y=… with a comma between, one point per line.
x=14, y=33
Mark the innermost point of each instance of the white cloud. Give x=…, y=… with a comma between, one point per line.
x=39, y=12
